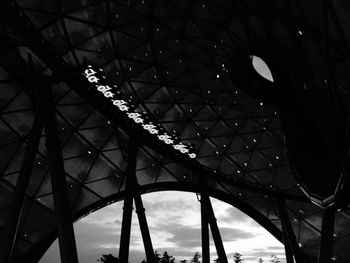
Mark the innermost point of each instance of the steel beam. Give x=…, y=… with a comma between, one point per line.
x=68, y=250
x=287, y=248
x=128, y=203
x=205, y=234
x=15, y=211
x=288, y=233
x=146, y=237
x=326, y=246
x=214, y=228
x=67, y=74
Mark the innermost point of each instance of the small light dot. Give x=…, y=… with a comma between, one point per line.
x=300, y=32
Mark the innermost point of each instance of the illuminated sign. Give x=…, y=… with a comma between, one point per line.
x=115, y=98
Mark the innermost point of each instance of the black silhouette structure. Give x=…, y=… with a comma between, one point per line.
x=276, y=148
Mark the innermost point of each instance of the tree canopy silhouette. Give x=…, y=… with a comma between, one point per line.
x=196, y=257
x=109, y=258
x=237, y=257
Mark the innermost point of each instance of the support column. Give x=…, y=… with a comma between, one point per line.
x=146, y=237
x=326, y=246
x=205, y=234
x=128, y=203
x=15, y=211
x=214, y=228
x=287, y=247
x=289, y=239
x=68, y=250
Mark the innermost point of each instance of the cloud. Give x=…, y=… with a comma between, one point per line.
x=233, y=215
x=98, y=236
x=178, y=253
x=184, y=236
x=174, y=222
x=265, y=253
x=188, y=237
x=171, y=205
x=234, y=234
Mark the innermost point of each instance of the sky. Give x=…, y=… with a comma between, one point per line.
x=174, y=222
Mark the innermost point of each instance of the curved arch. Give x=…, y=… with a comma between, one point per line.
x=35, y=254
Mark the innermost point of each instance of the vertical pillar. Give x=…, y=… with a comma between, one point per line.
x=146, y=237
x=287, y=247
x=289, y=238
x=327, y=232
x=205, y=234
x=66, y=237
x=128, y=203
x=214, y=228
x=15, y=211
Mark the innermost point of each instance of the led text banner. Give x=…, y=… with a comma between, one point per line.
x=115, y=98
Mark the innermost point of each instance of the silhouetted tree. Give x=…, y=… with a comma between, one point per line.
x=108, y=259
x=169, y=258
x=157, y=256
x=196, y=257
x=165, y=258
x=237, y=257
x=274, y=259
x=183, y=261
x=217, y=260
x=260, y=260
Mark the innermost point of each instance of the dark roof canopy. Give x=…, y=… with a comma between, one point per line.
x=187, y=65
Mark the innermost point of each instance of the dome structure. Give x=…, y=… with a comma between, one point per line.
x=102, y=101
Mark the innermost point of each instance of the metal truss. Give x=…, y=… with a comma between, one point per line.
x=46, y=118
